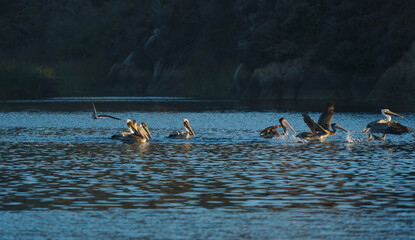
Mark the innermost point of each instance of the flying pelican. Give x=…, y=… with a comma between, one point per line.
x=136, y=133
x=386, y=126
x=95, y=116
x=183, y=134
x=321, y=130
x=270, y=132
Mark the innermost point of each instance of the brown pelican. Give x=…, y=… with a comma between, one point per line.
x=270, y=132
x=95, y=116
x=183, y=134
x=321, y=130
x=136, y=133
x=386, y=126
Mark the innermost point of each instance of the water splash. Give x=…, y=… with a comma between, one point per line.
x=350, y=139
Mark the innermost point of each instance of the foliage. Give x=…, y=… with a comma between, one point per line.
x=76, y=42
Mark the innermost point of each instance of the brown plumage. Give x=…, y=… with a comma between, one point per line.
x=326, y=116
x=136, y=133
x=321, y=130
x=183, y=134
x=271, y=131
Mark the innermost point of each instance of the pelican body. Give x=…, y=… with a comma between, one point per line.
x=271, y=131
x=386, y=126
x=96, y=116
x=183, y=134
x=321, y=130
x=136, y=133
x=120, y=135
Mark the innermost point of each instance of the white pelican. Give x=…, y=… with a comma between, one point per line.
x=321, y=130
x=386, y=126
x=95, y=116
x=183, y=134
x=270, y=132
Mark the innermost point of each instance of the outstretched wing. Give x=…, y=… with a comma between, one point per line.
x=108, y=116
x=269, y=130
x=326, y=116
x=314, y=127
x=95, y=116
x=94, y=113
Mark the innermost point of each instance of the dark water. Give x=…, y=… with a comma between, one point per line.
x=62, y=177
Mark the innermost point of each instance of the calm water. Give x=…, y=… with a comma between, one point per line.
x=62, y=177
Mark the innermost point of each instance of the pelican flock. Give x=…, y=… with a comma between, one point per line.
x=319, y=131
x=136, y=133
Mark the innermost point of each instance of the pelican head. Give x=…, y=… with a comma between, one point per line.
x=337, y=126
x=187, y=126
x=285, y=123
x=387, y=113
x=132, y=126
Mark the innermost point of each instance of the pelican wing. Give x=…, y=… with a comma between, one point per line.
x=387, y=127
x=315, y=127
x=178, y=134
x=95, y=116
x=397, y=128
x=269, y=130
x=142, y=132
x=326, y=116
x=107, y=116
x=94, y=113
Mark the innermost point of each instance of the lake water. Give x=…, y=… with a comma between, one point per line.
x=63, y=177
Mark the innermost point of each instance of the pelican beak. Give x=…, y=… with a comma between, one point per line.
x=188, y=128
x=365, y=130
x=387, y=111
x=147, y=131
x=286, y=124
x=341, y=128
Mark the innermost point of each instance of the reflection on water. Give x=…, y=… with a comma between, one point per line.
x=66, y=161
x=206, y=175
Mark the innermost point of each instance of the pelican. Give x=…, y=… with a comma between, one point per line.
x=95, y=116
x=136, y=133
x=386, y=126
x=183, y=134
x=270, y=132
x=321, y=130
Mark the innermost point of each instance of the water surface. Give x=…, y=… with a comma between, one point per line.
x=62, y=176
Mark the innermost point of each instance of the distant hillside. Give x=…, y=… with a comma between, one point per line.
x=240, y=49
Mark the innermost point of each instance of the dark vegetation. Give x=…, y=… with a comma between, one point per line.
x=193, y=48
